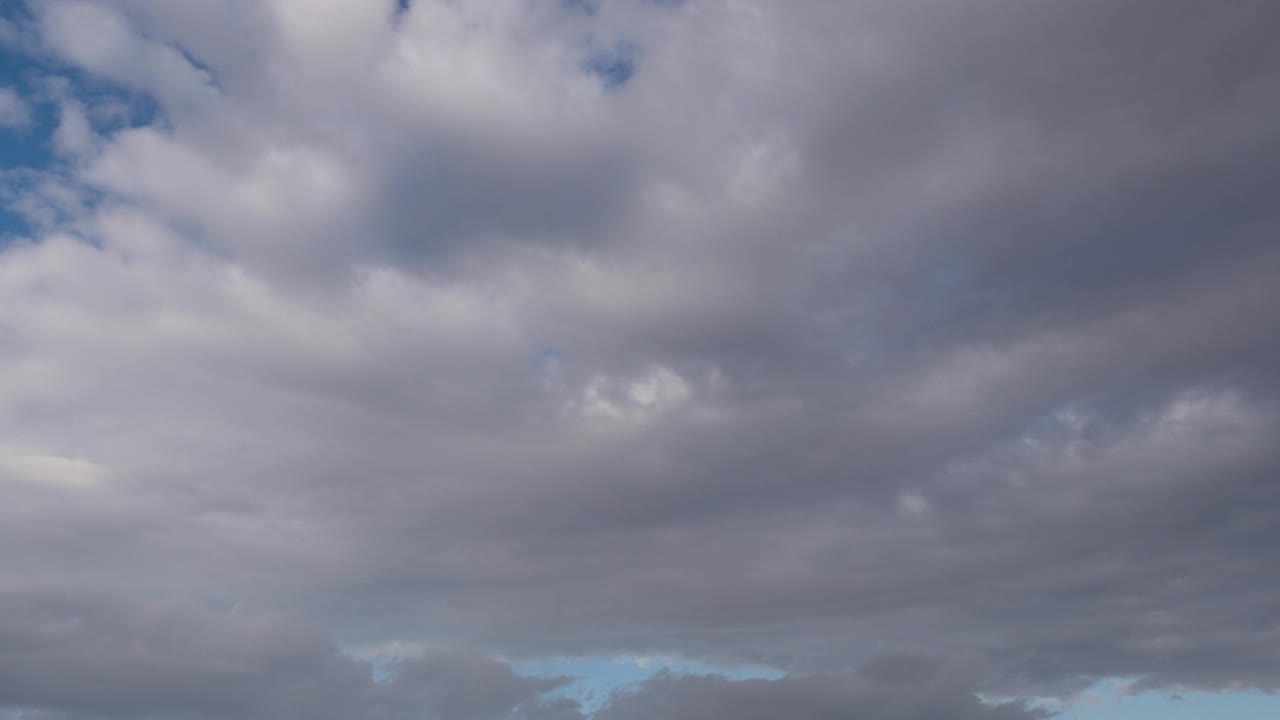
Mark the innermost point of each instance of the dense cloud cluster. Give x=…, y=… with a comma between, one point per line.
x=820, y=697
x=808, y=335
x=77, y=655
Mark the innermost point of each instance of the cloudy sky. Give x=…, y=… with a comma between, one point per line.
x=633, y=359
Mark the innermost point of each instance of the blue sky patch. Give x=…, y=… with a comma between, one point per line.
x=596, y=677
x=581, y=7
x=28, y=158
x=614, y=65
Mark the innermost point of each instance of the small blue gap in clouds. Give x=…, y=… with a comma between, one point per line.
x=400, y=9
x=25, y=148
x=614, y=65
x=581, y=7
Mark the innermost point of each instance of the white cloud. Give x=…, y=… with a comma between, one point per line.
x=649, y=393
x=14, y=111
x=50, y=470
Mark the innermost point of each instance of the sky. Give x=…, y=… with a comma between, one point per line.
x=622, y=359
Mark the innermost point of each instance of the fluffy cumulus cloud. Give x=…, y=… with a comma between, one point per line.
x=807, y=335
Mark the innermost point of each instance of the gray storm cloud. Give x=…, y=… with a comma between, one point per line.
x=834, y=331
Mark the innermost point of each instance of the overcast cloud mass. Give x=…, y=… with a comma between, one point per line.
x=923, y=353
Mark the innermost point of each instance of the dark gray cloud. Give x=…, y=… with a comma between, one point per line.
x=820, y=697
x=76, y=654
x=839, y=329
x=72, y=654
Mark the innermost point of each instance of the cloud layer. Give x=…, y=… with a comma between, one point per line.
x=814, y=336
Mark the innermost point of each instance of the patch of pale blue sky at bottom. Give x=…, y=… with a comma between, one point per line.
x=597, y=677
x=1108, y=701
